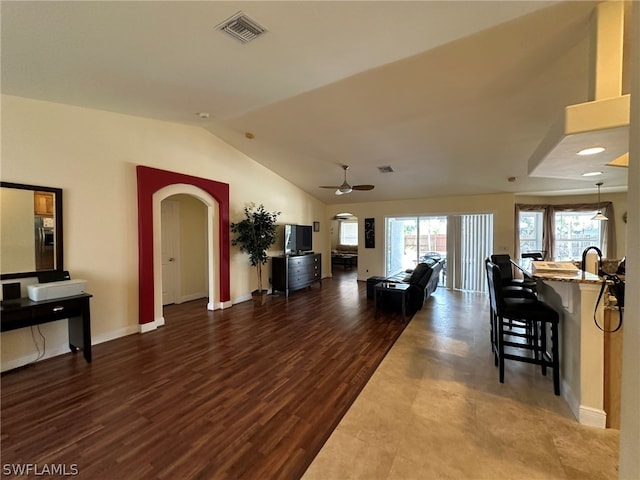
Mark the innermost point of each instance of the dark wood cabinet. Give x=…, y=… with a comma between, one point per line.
x=289, y=273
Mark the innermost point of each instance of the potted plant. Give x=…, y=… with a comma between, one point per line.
x=254, y=235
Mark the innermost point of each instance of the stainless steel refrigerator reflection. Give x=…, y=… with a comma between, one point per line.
x=44, y=236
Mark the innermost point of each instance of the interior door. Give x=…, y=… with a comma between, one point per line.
x=170, y=240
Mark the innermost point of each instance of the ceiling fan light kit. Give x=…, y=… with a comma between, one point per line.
x=345, y=187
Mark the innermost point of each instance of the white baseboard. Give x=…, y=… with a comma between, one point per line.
x=219, y=305
x=147, y=327
x=190, y=297
x=243, y=298
x=122, y=332
x=570, y=397
x=27, y=359
x=592, y=417
x=64, y=349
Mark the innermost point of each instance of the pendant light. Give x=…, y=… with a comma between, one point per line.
x=599, y=215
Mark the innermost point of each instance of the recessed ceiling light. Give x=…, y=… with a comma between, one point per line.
x=591, y=151
x=591, y=174
x=203, y=115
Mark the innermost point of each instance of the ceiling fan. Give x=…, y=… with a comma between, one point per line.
x=345, y=187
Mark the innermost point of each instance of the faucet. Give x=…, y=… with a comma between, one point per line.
x=584, y=258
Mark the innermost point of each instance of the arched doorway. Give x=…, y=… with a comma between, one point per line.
x=212, y=244
x=344, y=242
x=154, y=186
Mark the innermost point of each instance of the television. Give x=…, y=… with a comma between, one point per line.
x=297, y=239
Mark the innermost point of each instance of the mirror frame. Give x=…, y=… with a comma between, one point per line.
x=59, y=248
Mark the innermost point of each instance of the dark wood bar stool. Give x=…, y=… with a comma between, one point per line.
x=533, y=317
x=506, y=265
x=511, y=291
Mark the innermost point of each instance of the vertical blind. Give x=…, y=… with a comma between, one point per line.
x=472, y=242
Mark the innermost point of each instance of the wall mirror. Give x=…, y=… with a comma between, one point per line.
x=30, y=230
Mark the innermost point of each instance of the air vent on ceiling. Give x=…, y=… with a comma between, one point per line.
x=385, y=169
x=241, y=27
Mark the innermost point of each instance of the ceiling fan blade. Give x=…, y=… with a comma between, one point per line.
x=345, y=187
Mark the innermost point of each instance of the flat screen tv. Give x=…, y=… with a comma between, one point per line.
x=297, y=239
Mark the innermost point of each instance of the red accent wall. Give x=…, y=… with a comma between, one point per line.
x=150, y=180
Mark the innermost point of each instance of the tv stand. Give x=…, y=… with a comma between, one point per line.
x=294, y=272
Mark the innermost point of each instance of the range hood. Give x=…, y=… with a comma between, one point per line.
x=603, y=121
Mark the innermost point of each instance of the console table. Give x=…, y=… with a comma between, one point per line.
x=23, y=312
x=293, y=272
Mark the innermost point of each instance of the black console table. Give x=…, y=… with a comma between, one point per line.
x=23, y=312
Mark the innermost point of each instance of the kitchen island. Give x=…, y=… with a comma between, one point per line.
x=582, y=353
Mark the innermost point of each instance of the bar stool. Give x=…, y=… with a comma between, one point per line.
x=506, y=265
x=534, y=316
x=511, y=291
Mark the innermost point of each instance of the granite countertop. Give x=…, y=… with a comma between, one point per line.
x=578, y=276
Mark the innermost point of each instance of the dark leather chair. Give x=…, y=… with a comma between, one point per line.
x=533, y=318
x=417, y=291
x=423, y=281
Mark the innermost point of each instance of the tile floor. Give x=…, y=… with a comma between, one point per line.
x=435, y=409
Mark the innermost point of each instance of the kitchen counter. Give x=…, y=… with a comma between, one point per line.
x=582, y=358
x=578, y=277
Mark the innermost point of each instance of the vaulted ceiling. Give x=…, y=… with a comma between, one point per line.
x=454, y=96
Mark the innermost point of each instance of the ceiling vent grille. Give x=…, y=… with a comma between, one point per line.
x=242, y=28
x=385, y=169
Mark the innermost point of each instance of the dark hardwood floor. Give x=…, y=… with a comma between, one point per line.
x=245, y=392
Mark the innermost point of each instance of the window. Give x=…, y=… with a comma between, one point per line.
x=575, y=231
x=348, y=233
x=530, y=231
x=569, y=230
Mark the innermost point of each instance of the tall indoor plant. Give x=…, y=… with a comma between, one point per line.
x=255, y=234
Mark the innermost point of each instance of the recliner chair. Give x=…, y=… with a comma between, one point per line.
x=417, y=286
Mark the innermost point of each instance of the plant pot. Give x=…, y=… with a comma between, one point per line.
x=259, y=297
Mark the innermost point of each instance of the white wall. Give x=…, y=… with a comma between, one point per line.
x=630, y=405
x=92, y=155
